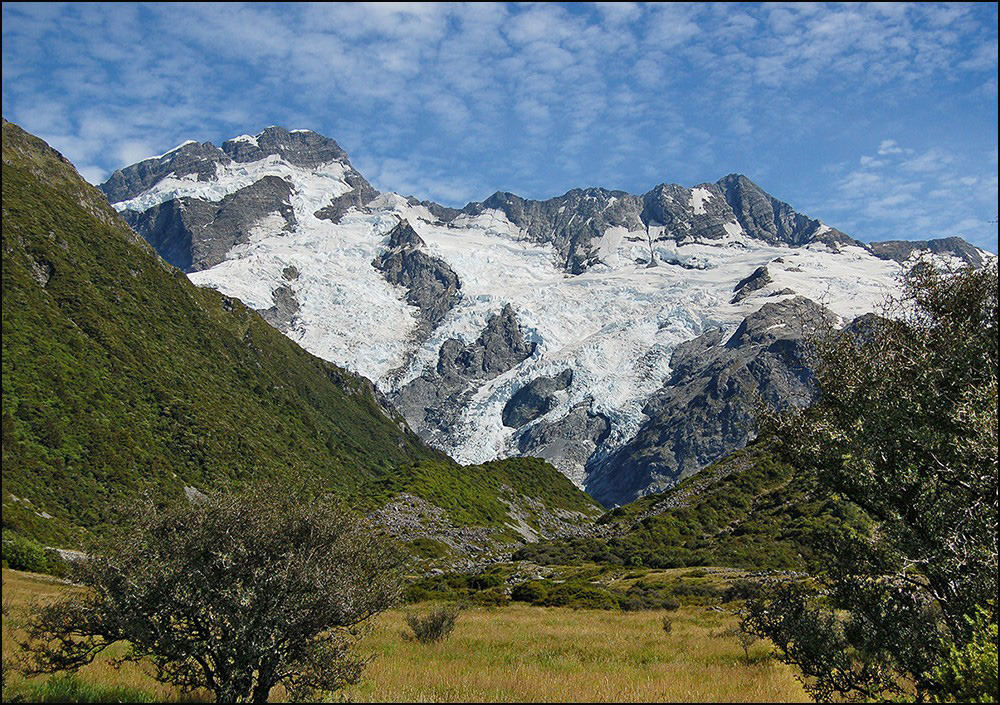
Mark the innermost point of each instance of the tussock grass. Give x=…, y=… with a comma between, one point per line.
x=521, y=653
x=545, y=654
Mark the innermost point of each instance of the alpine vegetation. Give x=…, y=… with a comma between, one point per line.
x=235, y=593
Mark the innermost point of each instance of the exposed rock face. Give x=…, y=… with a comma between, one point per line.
x=568, y=443
x=193, y=234
x=432, y=286
x=361, y=193
x=706, y=410
x=758, y=280
x=196, y=233
x=614, y=286
x=190, y=159
x=569, y=222
x=282, y=314
x=433, y=402
x=765, y=218
x=902, y=250
x=575, y=222
x=535, y=399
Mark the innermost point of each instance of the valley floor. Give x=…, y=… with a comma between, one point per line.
x=519, y=653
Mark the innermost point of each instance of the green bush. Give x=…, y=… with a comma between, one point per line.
x=580, y=596
x=435, y=625
x=21, y=553
x=969, y=674
x=531, y=591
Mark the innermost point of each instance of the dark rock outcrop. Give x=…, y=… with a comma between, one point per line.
x=535, y=399
x=569, y=442
x=574, y=221
x=901, y=250
x=282, y=314
x=432, y=286
x=758, y=280
x=193, y=234
x=433, y=402
x=707, y=409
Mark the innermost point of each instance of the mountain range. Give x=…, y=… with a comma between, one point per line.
x=120, y=376
x=626, y=339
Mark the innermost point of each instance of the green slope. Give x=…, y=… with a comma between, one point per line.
x=119, y=374
x=748, y=510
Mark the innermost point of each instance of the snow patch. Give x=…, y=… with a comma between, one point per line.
x=699, y=196
x=326, y=179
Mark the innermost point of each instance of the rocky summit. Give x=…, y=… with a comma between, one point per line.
x=624, y=338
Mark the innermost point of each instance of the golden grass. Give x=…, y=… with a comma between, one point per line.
x=529, y=654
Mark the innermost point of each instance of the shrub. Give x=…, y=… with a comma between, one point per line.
x=580, y=596
x=435, y=625
x=532, y=591
x=668, y=625
x=22, y=553
x=969, y=674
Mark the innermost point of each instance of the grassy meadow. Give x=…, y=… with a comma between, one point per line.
x=516, y=653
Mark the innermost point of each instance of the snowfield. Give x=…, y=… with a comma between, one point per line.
x=615, y=326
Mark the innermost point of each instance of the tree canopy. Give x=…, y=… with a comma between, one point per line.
x=906, y=428
x=236, y=593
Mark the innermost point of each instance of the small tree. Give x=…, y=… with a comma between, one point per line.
x=234, y=593
x=905, y=428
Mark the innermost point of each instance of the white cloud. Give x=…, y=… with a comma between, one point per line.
x=496, y=95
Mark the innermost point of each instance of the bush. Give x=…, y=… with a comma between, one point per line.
x=435, y=625
x=22, y=553
x=531, y=591
x=668, y=625
x=580, y=596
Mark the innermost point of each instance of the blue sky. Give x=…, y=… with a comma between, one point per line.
x=879, y=119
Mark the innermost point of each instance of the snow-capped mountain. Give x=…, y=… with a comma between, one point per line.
x=618, y=336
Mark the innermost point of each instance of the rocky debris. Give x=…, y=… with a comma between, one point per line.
x=41, y=270
x=707, y=409
x=193, y=234
x=194, y=495
x=432, y=286
x=754, y=282
x=408, y=517
x=433, y=402
x=534, y=521
x=902, y=250
x=282, y=314
x=535, y=399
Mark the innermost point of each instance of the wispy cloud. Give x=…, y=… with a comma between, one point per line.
x=455, y=100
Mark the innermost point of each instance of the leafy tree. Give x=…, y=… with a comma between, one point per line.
x=906, y=428
x=234, y=593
